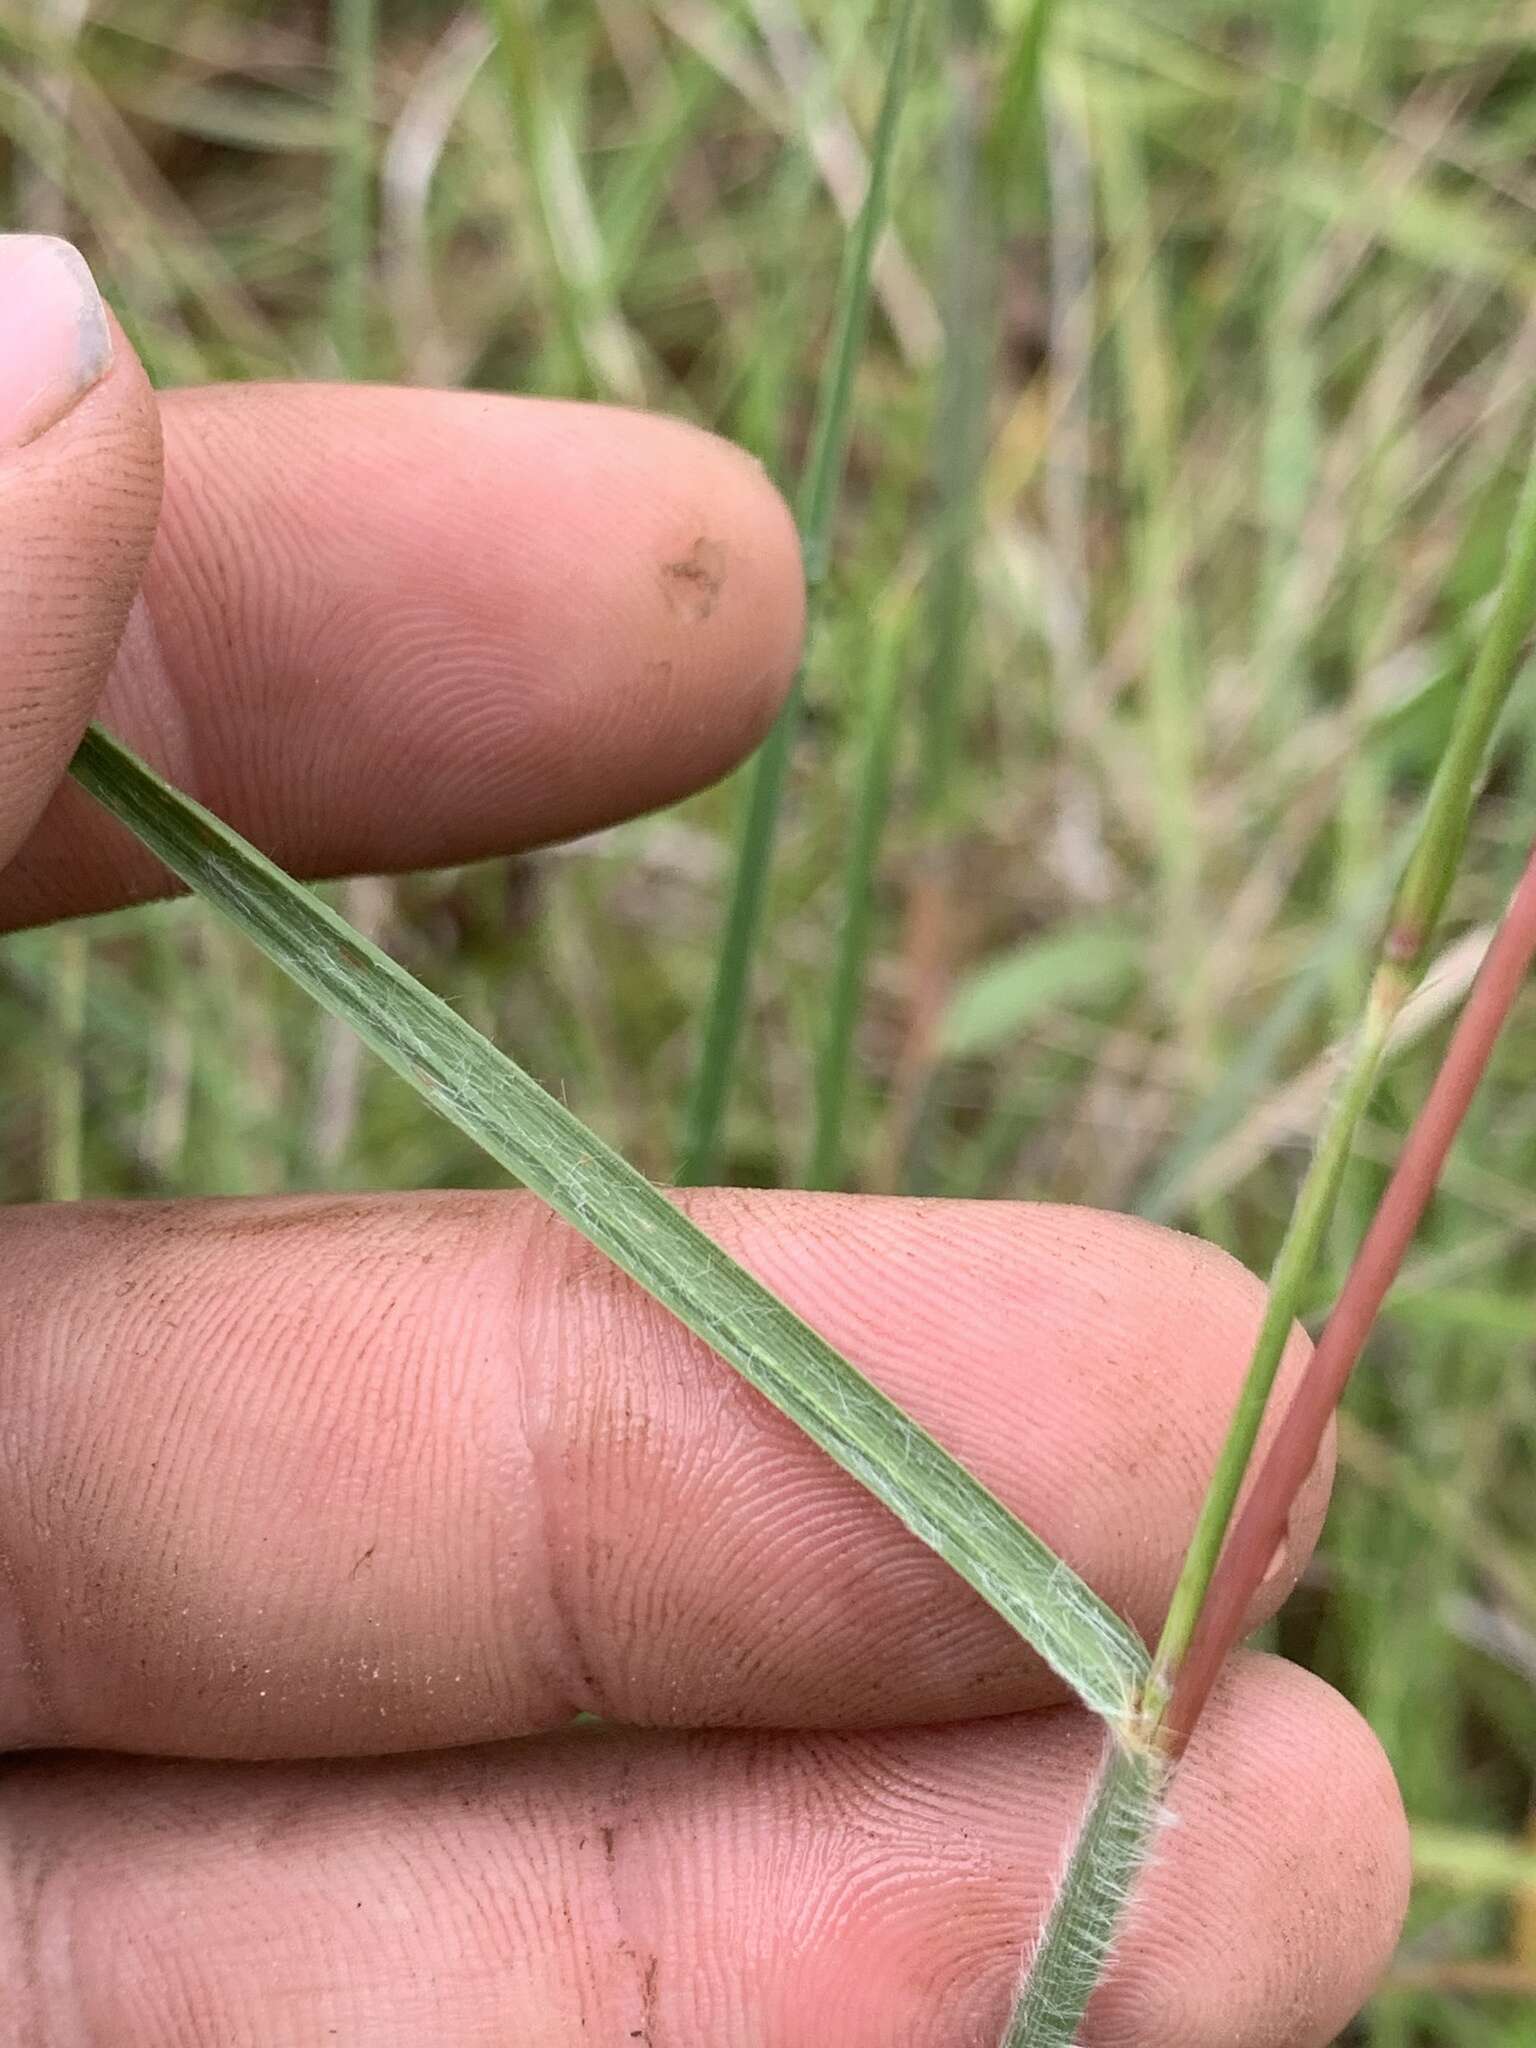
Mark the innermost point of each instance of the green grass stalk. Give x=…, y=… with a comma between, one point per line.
x=1106, y=1856
x=1299, y=1248
x=64, y=1097
x=816, y=508
x=1015, y=134
x=992, y=171
x=871, y=805
x=1432, y=868
x=1151, y=416
x=1290, y=446
x=1216, y=1579
x=1297, y=1442
x=972, y=254
x=1411, y=924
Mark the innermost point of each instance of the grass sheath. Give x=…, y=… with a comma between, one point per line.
x=1102, y=1865
x=1110, y=1847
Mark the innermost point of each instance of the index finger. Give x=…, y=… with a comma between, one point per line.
x=324, y=1476
x=384, y=629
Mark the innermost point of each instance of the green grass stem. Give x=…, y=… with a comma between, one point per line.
x=972, y=253
x=1106, y=1856
x=816, y=508
x=64, y=1098
x=871, y=805
x=1292, y=1270
x=1431, y=870
x=1410, y=931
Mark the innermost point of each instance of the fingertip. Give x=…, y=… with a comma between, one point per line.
x=546, y=615
x=114, y=411
x=55, y=344
x=770, y=538
x=726, y=569
x=1290, y=1826
x=388, y=629
x=781, y=580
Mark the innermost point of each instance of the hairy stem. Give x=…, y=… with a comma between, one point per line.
x=1102, y=1866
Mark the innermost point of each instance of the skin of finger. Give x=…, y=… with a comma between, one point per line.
x=776, y=1890
x=315, y=1477
x=77, y=516
x=385, y=629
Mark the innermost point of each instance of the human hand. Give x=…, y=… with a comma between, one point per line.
x=303, y=1497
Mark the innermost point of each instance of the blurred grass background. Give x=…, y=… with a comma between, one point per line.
x=1200, y=378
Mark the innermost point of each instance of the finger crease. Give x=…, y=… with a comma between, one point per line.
x=536, y=1377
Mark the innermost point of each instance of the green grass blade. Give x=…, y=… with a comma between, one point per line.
x=628, y=210
x=815, y=510
x=973, y=249
x=1152, y=405
x=1468, y=1860
x=601, y=349
x=870, y=807
x=817, y=504
x=1013, y=139
x=64, y=1088
x=1091, y=1895
x=991, y=153
x=998, y=1000
x=704, y=1116
x=505, y=1111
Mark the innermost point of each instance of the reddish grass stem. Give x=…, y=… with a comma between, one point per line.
x=1261, y=1524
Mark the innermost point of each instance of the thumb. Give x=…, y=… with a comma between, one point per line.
x=79, y=498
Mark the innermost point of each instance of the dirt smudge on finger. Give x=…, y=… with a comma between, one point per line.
x=693, y=582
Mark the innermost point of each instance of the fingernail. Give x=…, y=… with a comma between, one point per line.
x=54, y=340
